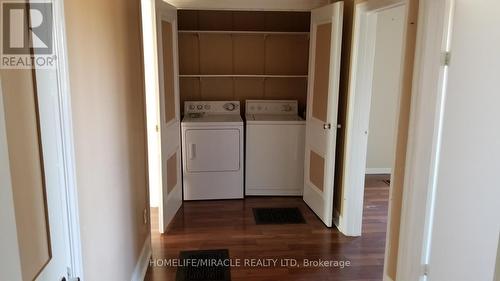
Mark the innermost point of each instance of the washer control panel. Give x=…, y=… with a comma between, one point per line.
x=279, y=107
x=212, y=107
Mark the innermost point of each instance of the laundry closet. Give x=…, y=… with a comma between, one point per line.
x=253, y=59
x=248, y=104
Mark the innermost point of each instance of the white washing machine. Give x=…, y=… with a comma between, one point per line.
x=275, y=144
x=212, y=150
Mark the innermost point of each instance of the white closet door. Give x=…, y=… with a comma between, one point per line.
x=322, y=107
x=168, y=72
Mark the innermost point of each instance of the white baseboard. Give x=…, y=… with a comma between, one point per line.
x=143, y=263
x=376, y=171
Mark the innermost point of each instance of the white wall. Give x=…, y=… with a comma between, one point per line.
x=109, y=124
x=385, y=90
x=466, y=224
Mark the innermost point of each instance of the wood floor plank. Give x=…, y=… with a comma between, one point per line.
x=229, y=224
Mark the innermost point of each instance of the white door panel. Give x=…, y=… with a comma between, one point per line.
x=168, y=78
x=465, y=212
x=31, y=137
x=173, y=141
x=54, y=174
x=322, y=107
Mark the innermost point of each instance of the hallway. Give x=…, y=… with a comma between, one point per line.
x=230, y=225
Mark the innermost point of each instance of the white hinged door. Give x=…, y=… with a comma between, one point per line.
x=168, y=78
x=322, y=107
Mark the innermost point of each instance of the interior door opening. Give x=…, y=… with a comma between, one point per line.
x=257, y=73
x=384, y=102
x=373, y=107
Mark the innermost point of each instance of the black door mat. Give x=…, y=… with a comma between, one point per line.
x=204, y=265
x=278, y=216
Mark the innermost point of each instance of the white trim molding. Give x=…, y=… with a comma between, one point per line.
x=65, y=115
x=143, y=263
x=253, y=5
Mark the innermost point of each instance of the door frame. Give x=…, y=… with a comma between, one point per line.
x=254, y=5
x=66, y=146
x=435, y=22
x=358, y=111
x=66, y=116
x=67, y=142
x=422, y=152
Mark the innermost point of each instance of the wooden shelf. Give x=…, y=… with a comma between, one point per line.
x=243, y=32
x=239, y=76
x=240, y=55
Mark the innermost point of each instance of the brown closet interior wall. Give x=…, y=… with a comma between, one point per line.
x=243, y=20
x=279, y=47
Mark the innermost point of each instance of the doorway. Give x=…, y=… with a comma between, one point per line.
x=230, y=225
x=385, y=91
x=384, y=103
x=270, y=73
x=373, y=106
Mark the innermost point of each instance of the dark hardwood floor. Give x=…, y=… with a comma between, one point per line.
x=229, y=224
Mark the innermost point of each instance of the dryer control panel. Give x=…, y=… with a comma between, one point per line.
x=275, y=107
x=212, y=107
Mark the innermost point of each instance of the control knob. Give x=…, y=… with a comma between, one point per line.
x=230, y=106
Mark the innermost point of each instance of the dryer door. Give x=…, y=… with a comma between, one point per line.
x=213, y=150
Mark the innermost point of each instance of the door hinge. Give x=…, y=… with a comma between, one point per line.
x=157, y=128
x=425, y=269
x=70, y=275
x=446, y=58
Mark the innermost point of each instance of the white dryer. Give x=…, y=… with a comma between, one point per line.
x=275, y=144
x=212, y=150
